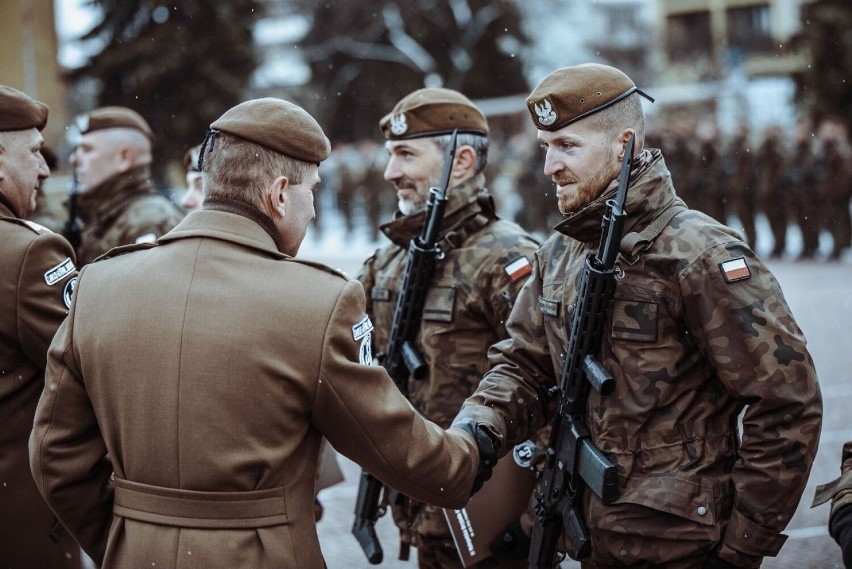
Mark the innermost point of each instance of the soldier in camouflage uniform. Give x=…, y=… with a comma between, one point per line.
x=741, y=181
x=834, y=184
x=487, y=261
x=117, y=203
x=699, y=331
x=772, y=195
x=801, y=182
x=839, y=491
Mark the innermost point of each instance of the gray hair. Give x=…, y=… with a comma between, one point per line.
x=238, y=169
x=478, y=142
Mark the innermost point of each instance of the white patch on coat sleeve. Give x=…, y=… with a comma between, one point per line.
x=363, y=331
x=147, y=238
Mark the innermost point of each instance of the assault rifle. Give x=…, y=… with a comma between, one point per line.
x=401, y=358
x=572, y=462
x=72, y=228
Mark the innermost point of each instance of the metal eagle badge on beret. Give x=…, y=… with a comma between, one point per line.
x=398, y=124
x=82, y=123
x=546, y=115
x=363, y=331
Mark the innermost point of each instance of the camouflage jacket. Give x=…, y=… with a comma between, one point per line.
x=839, y=491
x=122, y=210
x=473, y=290
x=699, y=328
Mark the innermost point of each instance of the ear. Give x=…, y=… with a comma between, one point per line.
x=622, y=141
x=464, y=162
x=276, y=195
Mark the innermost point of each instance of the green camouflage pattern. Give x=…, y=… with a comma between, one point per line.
x=466, y=310
x=123, y=209
x=689, y=351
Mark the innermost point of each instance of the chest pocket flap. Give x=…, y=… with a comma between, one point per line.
x=439, y=305
x=635, y=320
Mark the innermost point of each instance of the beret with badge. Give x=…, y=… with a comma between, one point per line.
x=433, y=112
x=18, y=111
x=275, y=124
x=113, y=117
x=573, y=93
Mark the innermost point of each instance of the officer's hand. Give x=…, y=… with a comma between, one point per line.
x=487, y=444
x=716, y=562
x=512, y=543
x=840, y=529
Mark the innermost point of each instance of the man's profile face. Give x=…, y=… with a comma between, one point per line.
x=96, y=158
x=581, y=162
x=414, y=166
x=22, y=168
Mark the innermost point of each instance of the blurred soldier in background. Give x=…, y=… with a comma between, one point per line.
x=474, y=287
x=37, y=277
x=834, y=184
x=117, y=203
x=772, y=195
x=741, y=180
x=801, y=181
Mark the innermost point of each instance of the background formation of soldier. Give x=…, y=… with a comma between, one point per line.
x=93, y=459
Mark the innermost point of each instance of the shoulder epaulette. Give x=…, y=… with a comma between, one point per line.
x=39, y=229
x=123, y=249
x=322, y=267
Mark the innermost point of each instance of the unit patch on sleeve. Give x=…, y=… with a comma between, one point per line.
x=68, y=292
x=735, y=270
x=518, y=269
x=363, y=331
x=59, y=272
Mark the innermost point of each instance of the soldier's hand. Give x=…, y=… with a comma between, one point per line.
x=840, y=529
x=487, y=444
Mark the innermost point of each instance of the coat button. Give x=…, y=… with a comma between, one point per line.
x=701, y=510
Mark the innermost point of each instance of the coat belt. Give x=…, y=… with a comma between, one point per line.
x=195, y=509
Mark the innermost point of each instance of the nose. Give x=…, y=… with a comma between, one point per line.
x=391, y=171
x=43, y=168
x=552, y=164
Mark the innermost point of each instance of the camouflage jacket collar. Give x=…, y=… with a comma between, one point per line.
x=462, y=205
x=114, y=193
x=650, y=191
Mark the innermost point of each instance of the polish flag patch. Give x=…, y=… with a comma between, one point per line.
x=735, y=270
x=518, y=269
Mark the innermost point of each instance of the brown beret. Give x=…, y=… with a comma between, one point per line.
x=278, y=125
x=18, y=111
x=113, y=117
x=433, y=112
x=572, y=93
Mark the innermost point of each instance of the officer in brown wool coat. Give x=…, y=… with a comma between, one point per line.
x=37, y=276
x=699, y=332
x=486, y=261
x=210, y=365
x=117, y=204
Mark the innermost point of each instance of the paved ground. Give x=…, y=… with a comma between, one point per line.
x=820, y=295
